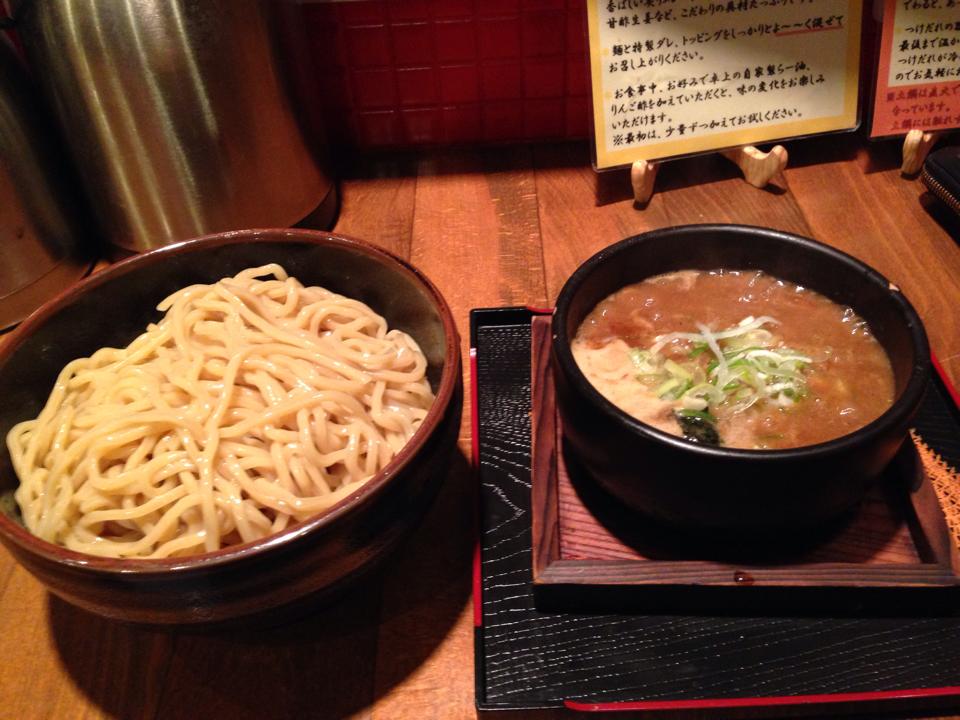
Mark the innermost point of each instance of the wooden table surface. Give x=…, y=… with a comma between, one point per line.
x=491, y=228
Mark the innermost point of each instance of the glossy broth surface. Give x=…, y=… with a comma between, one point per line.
x=844, y=381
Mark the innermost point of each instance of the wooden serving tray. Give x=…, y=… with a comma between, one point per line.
x=588, y=553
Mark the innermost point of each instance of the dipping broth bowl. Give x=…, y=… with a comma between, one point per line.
x=311, y=558
x=731, y=491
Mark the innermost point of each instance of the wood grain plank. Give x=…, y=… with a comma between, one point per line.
x=876, y=535
x=574, y=225
x=60, y=661
x=318, y=666
x=377, y=201
x=694, y=573
x=855, y=201
x=483, y=247
x=425, y=623
x=710, y=189
x=545, y=517
x=7, y=567
x=690, y=191
x=476, y=235
x=29, y=686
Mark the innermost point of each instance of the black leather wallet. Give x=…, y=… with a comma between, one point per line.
x=941, y=175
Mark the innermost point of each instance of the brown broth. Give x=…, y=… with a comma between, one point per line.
x=848, y=384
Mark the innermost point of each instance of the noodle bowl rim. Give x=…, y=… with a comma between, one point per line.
x=449, y=377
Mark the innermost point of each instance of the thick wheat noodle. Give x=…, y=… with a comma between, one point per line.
x=254, y=403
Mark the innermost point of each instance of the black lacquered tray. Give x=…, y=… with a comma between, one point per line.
x=729, y=664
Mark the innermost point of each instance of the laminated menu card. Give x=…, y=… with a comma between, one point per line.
x=674, y=77
x=918, y=78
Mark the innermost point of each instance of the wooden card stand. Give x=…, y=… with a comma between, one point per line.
x=758, y=169
x=643, y=174
x=916, y=146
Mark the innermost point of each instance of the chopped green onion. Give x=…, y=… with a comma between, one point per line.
x=677, y=370
x=644, y=361
x=674, y=388
x=744, y=367
x=666, y=387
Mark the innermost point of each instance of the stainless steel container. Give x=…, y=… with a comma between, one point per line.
x=176, y=116
x=42, y=227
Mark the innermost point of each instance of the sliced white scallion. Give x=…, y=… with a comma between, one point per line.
x=699, y=397
x=741, y=329
x=677, y=370
x=645, y=362
x=722, y=370
x=744, y=368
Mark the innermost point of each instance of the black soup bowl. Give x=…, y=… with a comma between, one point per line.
x=734, y=492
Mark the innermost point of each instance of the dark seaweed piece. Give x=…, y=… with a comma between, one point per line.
x=698, y=429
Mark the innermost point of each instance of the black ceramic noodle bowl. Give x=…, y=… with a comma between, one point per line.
x=310, y=558
x=722, y=489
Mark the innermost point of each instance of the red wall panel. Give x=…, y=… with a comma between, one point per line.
x=397, y=73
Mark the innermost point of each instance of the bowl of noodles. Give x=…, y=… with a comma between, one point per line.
x=734, y=380
x=222, y=427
